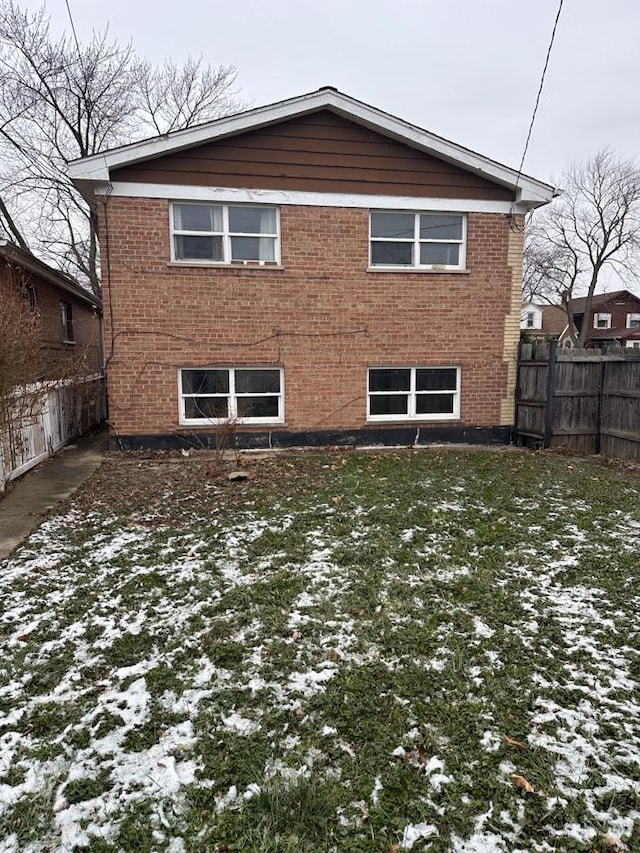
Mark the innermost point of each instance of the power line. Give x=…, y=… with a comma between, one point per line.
x=535, y=108
x=73, y=30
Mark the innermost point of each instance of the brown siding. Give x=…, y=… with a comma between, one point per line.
x=317, y=153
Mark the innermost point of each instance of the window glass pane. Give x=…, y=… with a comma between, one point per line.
x=206, y=407
x=257, y=407
x=440, y=254
x=198, y=248
x=205, y=381
x=252, y=220
x=393, y=225
x=197, y=217
x=394, y=404
x=389, y=379
x=392, y=254
x=434, y=404
x=435, y=226
x=436, y=379
x=257, y=381
x=253, y=249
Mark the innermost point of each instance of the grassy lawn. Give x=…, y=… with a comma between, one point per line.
x=433, y=650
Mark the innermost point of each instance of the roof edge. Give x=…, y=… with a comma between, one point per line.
x=94, y=170
x=11, y=252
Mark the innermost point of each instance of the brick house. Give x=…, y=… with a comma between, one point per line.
x=69, y=316
x=614, y=318
x=315, y=271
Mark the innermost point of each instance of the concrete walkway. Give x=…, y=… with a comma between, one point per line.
x=33, y=496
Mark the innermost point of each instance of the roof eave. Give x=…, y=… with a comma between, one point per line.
x=23, y=258
x=90, y=172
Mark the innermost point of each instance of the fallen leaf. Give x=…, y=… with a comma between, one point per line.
x=23, y=638
x=512, y=742
x=613, y=844
x=337, y=499
x=523, y=783
x=299, y=712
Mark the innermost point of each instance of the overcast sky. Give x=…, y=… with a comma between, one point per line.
x=466, y=70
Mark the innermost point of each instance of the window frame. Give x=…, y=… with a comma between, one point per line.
x=601, y=316
x=232, y=398
x=66, y=319
x=413, y=395
x=416, y=241
x=226, y=235
x=633, y=317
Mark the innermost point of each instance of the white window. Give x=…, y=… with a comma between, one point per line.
x=633, y=344
x=602, y=321
x=224, y=234
x=417, y=240
x=413, y=393
x=530, y=320
x=244, y=395
x=633, y=321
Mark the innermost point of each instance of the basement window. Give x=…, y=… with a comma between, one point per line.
x=225, y=234
x=413, y=393
x=242, y=395
x=417, y=240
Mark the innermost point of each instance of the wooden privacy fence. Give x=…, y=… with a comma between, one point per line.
x=60, y=412
x=586, y=400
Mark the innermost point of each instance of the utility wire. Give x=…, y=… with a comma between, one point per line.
x=75, y=35
x=535, y=108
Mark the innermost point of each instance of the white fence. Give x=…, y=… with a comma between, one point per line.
x=58, y=413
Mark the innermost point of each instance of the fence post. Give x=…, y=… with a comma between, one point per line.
x=517, y=401
x=598, y=440
x=551, y=387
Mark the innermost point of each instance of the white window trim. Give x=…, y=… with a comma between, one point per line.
x=632, y=344
x=599, y=316
x=232, y=399
x=416, y=241
x=226, y=235
x=633, y=317
x=412, y=394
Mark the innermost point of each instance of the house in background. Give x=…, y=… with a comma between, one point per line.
x=544, y=322
x=315, y=271
x=69, y=316
x=39, y=417
x=614, y=319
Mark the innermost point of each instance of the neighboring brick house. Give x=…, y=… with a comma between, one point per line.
x=614, y=318
x=69, y=316
x=316, y=272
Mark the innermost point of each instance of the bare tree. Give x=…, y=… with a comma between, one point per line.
x=593, y=226
x=60, y=100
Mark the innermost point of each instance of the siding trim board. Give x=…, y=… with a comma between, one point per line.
x=239, y=195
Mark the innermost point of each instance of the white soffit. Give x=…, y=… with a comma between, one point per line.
x=95, y=170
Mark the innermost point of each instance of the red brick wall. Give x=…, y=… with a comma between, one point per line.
x=85, y=352
x=314, y=312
